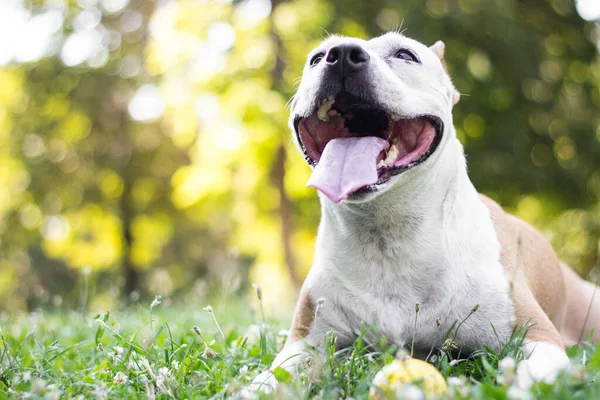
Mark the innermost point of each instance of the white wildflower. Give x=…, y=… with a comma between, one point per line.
x=150, y=392
x=165, y=372
x=208, y=353
x=410, y=392
x=160, y=382
x=38, y=386
x=454, y=381
x=26, y=377
x=159, y=379
x=175, y=365
x=157, y=300
x=243, y=371
x=100, y=391
x=53, y=394
x=458, y=386
x=253, y=335
x=133, y=365
x=120, y=378
x=515, y=393
x=208, y=308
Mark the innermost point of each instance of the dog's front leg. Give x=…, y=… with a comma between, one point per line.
x=544, y=351
x=291, y=358
x=304, y=335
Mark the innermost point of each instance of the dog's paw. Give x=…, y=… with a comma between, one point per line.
x=265, y=382
x=545, y=362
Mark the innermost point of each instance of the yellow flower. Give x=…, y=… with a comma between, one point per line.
x=388, y=382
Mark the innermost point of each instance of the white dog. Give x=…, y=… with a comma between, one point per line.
x=402, y=223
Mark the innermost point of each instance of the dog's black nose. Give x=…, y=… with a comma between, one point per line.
x=345, y=58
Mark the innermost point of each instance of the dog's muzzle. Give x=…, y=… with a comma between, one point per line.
x=346, y=60
x=352, y=141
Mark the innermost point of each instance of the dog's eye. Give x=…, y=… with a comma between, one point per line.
x=316, y=58
x=407, y=55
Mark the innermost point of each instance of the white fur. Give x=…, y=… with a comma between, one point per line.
x=544, y=362
x=290, y=359
x=429, y=241
x=424, y=237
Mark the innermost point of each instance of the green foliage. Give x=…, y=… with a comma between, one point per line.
x=209, y=184
x=180, y=352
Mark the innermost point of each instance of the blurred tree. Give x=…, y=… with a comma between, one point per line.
x=148, y=140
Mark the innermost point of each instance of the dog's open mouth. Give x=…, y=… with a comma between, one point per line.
x=354, y=145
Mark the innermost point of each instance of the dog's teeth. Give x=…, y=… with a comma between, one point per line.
x=323, y=111
x=391, y=156
x=396, y=117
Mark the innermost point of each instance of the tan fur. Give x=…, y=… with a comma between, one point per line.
x=304, y=316
x=578, y=324
x=438, y=49
x=545, y=292
x=455, y=97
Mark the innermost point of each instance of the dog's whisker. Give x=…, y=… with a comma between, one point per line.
x=327, y=34
x=289, y=102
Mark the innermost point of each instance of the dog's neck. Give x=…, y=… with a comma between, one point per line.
x=423, y=199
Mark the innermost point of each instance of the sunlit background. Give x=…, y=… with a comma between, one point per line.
x=144, y=147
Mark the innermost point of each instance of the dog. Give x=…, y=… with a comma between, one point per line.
x=402, y=225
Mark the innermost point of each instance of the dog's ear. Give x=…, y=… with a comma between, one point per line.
x=438, y=48
x=455, y=97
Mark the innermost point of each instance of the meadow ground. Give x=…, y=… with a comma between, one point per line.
x=196, y=352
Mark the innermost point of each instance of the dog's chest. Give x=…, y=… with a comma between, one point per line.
x=383, y=291
x=431, y=306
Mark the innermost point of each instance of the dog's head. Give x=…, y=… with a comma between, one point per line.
x=368, y=111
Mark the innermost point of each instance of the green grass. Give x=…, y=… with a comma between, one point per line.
x=142, y=352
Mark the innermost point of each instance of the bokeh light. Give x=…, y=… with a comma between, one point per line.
x=150, y=139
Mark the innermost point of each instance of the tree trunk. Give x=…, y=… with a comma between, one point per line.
x=285, y=214
x=278, y=172
x=130, y=274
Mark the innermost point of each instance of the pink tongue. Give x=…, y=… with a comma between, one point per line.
x=347, y=164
